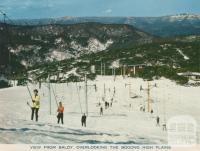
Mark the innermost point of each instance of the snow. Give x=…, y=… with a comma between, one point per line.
x=63, y=51
x=71, y=72
x=58, y=55
x=181, y=53
x=180, y=17
x=26, y=48
x=115, y=64
x=38, y=38
x=24, y=63
x=165, y=46
x=189, y=74
x=74, y=45
x=120, y=123
x=94, y=45
x=58, y=40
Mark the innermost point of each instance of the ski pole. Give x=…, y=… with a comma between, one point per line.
x=79, y=98
x=55, y=96
x=29, y=91
x=28, y=104
x=29, y=94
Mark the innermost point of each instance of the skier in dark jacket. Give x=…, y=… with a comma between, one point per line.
x=143, y=109
x=141, y=88
x=164, y=127
x=101, y=110
x=83, y=120
x=158, y=121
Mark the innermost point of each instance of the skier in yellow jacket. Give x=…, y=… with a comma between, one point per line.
x=36, y=105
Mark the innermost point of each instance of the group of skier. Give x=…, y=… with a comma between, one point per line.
x=107, y=105
x=142, y=108
x=164, y=127
x=36, y=106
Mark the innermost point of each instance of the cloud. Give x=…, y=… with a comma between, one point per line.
x=107, y=11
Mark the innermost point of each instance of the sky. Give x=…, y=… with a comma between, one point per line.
x=31, y=9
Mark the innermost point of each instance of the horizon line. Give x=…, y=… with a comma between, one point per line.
x=59, y=17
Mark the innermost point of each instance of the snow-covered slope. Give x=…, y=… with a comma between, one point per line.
x=181, y=17
x=120, y=123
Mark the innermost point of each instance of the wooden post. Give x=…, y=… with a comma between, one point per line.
x=134, y=70
x=86, y=97
x=104, y=91
x=148, y=99
x=104, y=69
x=49, y=87
x=101, y=68
x=124, y=71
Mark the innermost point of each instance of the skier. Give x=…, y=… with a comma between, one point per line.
x=151, y=111
x=95, y=87
x=164, y=127
x=60, y=112
x=101, y=110
x=111, y=103
x=83, y=120
x=143, y=109
x=141, y=88
x=112, y=100
x=36, y=104
x=99, y=104
x=106, y=104
x=157, y=121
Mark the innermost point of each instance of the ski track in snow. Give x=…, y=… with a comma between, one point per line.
x=120, y=124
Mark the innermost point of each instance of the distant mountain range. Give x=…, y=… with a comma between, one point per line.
x=72, y=45
x=165, y=26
